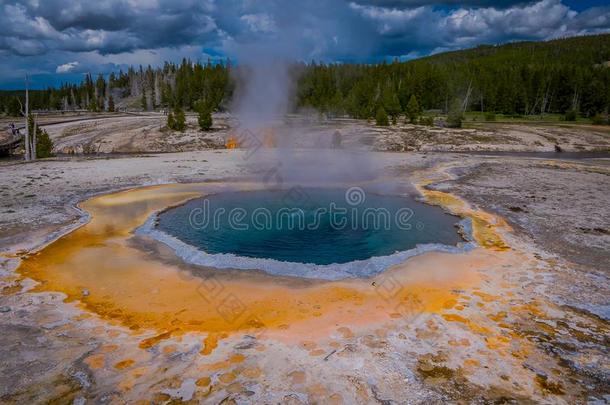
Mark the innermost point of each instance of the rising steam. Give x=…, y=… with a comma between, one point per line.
x=265, y=94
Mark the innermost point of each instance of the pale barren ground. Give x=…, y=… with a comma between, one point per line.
x=147, y=132
x=534, y=331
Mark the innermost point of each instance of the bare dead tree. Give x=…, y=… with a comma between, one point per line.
x=28, y=151
x=106, y=102
x=545, y=99
x=34, y=139
x=72, y=99
x=26, y=113
x=157, y=89
x=530, y=111
x=575, y=100
x=468, y=92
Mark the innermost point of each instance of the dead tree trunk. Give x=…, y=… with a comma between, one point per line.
x=465, y=105
x=157, y=99
x=545, y=99
x=26, y=114
x=34, y=139
x=575, y=100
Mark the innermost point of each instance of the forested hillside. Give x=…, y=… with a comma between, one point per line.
x=523, y=78
x=519, y=78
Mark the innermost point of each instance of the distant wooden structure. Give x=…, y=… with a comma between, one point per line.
x=10, y=142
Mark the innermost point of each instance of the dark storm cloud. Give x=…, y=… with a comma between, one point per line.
x=110, y=26
x=418, y=3
x=67, y=36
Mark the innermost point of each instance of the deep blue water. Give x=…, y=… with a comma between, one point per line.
x=312, y=225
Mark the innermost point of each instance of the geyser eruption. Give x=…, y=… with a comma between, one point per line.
x=264, y=85
x=264, y=95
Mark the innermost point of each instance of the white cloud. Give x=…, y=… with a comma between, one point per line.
x=542, y=20
x=424, y=28
x=259, y=23
x=66, y=67
x=388, y=14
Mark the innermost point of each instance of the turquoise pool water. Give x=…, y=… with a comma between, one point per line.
x=308, y=225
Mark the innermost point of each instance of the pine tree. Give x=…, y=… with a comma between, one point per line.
x=144, y=101
x=205, y=118
x=110, y=104
x=179, y=120
x=570, y=115
x=93, y=105
x=14, y=107
x=336, y=103
x=413, y=109
x=391, y=103
x=171, y=121
x=454, y=118
x=382, y=117
x=204, y=114
x=44, y=143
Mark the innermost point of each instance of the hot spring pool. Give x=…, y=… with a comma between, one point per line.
x=325, y=229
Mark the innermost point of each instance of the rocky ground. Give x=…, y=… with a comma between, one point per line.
x=532, y=194
x=556, y=205
x=147, y=132
x=533, y=330
x=492, y=137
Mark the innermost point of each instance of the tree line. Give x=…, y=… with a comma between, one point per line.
x=186, y=85
x=527, y=78
x=568, y=76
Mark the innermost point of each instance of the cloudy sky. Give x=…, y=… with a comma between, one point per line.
x=59, y=40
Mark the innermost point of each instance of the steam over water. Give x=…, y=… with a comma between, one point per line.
x=264, y=95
